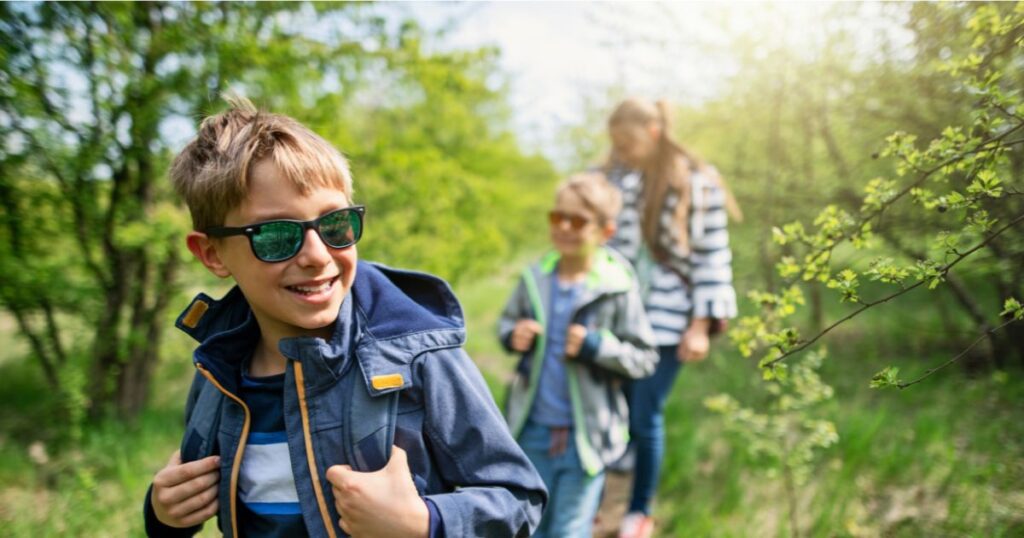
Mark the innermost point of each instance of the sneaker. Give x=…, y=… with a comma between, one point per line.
x=636, y=525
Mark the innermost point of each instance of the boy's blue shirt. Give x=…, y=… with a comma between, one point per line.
x=552, y=406
x=397, y=331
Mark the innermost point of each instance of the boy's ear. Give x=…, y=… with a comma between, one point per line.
x=205, y=250
x=608, y=231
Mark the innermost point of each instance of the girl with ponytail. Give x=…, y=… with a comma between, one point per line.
x=673, y=229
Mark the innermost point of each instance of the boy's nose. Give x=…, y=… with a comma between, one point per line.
x=565, y=225
x=314, y=251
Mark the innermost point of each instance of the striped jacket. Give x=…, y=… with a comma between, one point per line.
x=690, y=284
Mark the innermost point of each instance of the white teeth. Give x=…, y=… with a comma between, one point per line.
x=317, y=289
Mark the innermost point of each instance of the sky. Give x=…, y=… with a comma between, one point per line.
x=564, y=60
x=558, y=56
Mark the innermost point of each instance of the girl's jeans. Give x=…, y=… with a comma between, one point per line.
x=647, y=426
x=574, y=495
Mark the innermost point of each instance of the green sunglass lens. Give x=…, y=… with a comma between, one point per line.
x=277, y=241
x=341, y=228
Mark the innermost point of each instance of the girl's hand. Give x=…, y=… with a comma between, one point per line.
x=574, y=340
x=523, y=334
x=694, y=344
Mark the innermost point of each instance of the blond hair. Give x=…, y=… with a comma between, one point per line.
x=669, y=169
x=597, y=193
x=212, y=173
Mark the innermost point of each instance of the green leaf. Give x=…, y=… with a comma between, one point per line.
x=888, y=377
x=1013, y=307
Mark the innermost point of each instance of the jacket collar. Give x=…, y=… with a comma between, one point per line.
x=610, y=272
x=389, y=318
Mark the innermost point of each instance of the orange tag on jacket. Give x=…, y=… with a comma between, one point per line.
x=195, y=313
x=389, y=381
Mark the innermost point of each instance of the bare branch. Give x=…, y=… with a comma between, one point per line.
x=37, y=344
x=942, y=271
x=929, y=372
x=924, y=175
x=53, y=332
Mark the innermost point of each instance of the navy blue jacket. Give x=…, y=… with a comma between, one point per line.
x=398, y=339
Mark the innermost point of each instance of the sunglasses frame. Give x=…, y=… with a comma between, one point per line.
x=563, y=217
x=251, y=230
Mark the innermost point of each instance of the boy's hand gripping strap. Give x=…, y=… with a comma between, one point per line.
x=368, y=424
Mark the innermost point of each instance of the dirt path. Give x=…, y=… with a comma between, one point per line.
x=613, y=506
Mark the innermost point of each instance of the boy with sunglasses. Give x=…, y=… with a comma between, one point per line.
x=578, y=321
x=332, y=396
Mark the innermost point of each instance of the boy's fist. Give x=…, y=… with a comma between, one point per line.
x=382, y=503
x=185, y=494
x=523, y=334
x=574, y=340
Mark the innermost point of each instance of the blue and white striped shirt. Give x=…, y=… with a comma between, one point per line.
x=690, y=284
x=266, y=487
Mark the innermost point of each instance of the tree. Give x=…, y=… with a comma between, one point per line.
x=95, y=99
x=90, y=230
x=964, y=187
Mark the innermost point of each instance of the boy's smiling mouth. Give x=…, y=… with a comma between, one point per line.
x=314, y=287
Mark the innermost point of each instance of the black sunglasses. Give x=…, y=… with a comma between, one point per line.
x=279, y=240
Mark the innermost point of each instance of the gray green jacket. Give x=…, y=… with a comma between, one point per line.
x=619, y=346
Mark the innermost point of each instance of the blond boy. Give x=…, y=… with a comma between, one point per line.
x=332, y=396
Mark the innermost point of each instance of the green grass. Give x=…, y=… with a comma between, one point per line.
x=943, y=458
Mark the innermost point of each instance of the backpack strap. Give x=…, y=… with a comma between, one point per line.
x=368, y=424
x=200, y=438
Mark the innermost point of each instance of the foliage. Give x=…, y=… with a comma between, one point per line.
x=964, y=184
x=865, y=173
x=784, y=438
x=452, y=192
x=944, y=459
x=97, y=97
x=821, y=131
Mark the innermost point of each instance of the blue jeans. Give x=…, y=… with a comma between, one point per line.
x=573, y=494
x=647, y=398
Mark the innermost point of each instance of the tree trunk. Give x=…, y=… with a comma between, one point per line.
x=106, y=345
x=1015, y=336
x=133, y=383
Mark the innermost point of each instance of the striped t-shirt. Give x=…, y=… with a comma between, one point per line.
x=689, y=284
x=269, y=502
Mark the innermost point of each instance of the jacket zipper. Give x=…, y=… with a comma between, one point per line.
x=310, y=457
x=586, y=452
x=239, y=452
